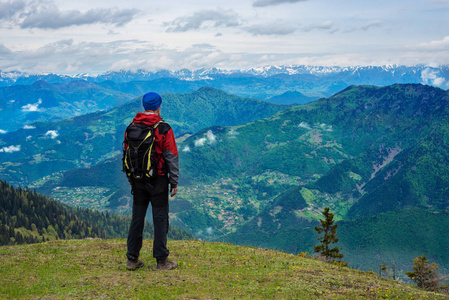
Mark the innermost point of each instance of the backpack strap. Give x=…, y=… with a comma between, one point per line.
x=151, y=148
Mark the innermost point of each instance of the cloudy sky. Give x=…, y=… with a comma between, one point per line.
x=94, y=36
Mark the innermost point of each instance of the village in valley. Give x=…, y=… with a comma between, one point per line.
x=84, y=197
x=229, y=202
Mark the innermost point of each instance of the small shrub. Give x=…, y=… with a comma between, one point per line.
x=424, y=275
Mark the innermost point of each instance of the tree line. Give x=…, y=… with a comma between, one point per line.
x=29, y=217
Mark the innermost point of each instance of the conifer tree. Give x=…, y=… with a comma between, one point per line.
x=424, y=275
x=330, y=237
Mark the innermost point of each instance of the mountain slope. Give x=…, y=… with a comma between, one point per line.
x=28, y=217
x=89, y=139
x=359, y=122
x=402, y=132
x=349, y=142
x=291, y=97
x=96, y=269
x=395, y=237
x=21, y=219
x=395, y=141
x=417, y=177
x=21, y=105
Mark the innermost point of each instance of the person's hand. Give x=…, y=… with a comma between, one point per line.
x=173, y=191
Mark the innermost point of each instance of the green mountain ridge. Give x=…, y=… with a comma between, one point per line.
x=89, y=139
x=42, y=102
x=298, y=143
x=417, y=177
x=387, y=173
x=291, y=97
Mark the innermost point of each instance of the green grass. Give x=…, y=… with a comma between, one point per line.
x=95, y=269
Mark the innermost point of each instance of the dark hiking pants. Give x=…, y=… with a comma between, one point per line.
x=157, y=194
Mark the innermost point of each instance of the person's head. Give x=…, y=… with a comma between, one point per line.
x=151, y=101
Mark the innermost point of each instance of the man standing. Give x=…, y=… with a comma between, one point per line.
x=153, y=189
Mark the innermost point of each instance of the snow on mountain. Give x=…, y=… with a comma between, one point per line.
x=438, y=76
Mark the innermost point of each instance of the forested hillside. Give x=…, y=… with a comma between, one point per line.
x=22, y=105
x=48, y=148
x=28, y=217
x=390, y=178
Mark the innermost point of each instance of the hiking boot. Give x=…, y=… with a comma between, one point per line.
x=134, y=264
x=166, y=265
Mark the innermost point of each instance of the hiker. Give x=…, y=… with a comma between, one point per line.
x=153, y=189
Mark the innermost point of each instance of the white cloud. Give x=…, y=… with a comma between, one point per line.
x=326, y=127
x=32, y=107
x=263, y=3
x=370, y=24
x=431, y=77
x=210, y=138
x=45, y=14
x=326, y=26
x=321, y=126
x=52, y=134
x=29, y=138
x=186, y=149
x=10, y=149
x=440, y=45
x=204, y=19
x=200, y=142
x=29, y=127
x=3, y=131
x=130, y=34
x=11, y=8
x=304, y=125
x=270, y=29
x=233, y=132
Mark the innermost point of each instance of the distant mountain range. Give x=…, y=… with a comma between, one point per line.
x=261, y=83
x=399, y=72
x=26, y=98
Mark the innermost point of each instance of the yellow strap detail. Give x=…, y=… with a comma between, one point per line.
x=126, y=162
x=151, y=148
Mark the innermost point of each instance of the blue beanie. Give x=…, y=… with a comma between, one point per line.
x=151, y=101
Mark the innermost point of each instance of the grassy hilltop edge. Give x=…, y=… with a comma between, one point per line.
x=95, y=269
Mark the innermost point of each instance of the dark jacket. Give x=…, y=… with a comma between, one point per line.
x=165, y=146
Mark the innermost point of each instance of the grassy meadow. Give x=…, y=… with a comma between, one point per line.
x=96, y=269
